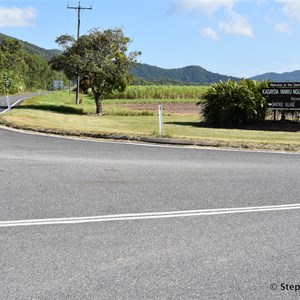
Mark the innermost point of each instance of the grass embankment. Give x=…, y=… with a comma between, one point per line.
x=57, y=113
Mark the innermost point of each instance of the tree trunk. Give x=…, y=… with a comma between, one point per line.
x=98, y=100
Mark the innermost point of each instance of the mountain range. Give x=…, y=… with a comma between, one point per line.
x=145, y=73
x=185, y=75
x=279, y=77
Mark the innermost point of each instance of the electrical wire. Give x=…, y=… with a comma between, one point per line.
x=87, y=17
x=67, y=17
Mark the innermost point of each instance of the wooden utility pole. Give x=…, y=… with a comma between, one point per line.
x=78, y=8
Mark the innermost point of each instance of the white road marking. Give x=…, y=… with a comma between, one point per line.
x=14, y=104
x=144, y=216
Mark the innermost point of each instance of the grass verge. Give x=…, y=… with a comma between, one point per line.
x=56, y=113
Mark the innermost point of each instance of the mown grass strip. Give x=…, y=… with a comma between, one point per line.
x=56, y=113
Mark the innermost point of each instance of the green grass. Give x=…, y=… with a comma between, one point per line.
x=62, y=102
x=57, y=113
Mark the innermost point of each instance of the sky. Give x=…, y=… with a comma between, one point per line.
x=231, y=37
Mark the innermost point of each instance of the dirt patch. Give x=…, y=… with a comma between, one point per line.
x=174, y=108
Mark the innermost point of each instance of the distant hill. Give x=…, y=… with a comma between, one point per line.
x=185, y=75
x=145, y=73
x=33, y=49
x=279, y=77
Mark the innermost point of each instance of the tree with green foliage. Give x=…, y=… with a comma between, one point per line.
x=12, y=66
x=102, y=56
x=21, y=70
x=235, y=103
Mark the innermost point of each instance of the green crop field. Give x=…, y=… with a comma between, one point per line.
x=161, y=92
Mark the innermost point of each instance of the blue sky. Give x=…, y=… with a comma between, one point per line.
x=232, y=37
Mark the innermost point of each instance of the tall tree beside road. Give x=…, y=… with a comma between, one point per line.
x=102, y=56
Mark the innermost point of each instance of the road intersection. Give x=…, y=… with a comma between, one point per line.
x=236, y=237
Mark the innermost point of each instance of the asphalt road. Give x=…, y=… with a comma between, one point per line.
x=214, y=256
x=14, y=100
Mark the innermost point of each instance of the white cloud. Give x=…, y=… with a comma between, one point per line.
x=210, y=33
x=238, y=25
x=291, y=8
x=283, y=28
x=207, y=7
x=17, y=17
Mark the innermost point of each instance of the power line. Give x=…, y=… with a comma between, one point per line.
x=79, y=8
x=67, y=22
x=88, y=19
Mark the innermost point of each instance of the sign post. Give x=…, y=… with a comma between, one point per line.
x=282, y=96
x=160, y=118
x=8, y=104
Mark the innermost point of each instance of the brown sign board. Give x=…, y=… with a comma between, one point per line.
x=283, y=95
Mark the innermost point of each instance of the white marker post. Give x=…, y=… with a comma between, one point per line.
x=160, y=115
x=8, y=104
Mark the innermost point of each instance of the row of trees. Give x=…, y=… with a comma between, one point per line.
x=22, y=71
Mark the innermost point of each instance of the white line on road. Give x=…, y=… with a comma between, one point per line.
x=143, y=216
x=14, y=104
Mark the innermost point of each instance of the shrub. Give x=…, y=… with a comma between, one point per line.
x=234, y=103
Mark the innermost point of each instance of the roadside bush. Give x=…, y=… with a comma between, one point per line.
x=235, y=103
x=9, y=84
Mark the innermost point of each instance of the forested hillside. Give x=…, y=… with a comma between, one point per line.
x=21, y=70
x=33, y=49
x=279, y=77
x=186, y=75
